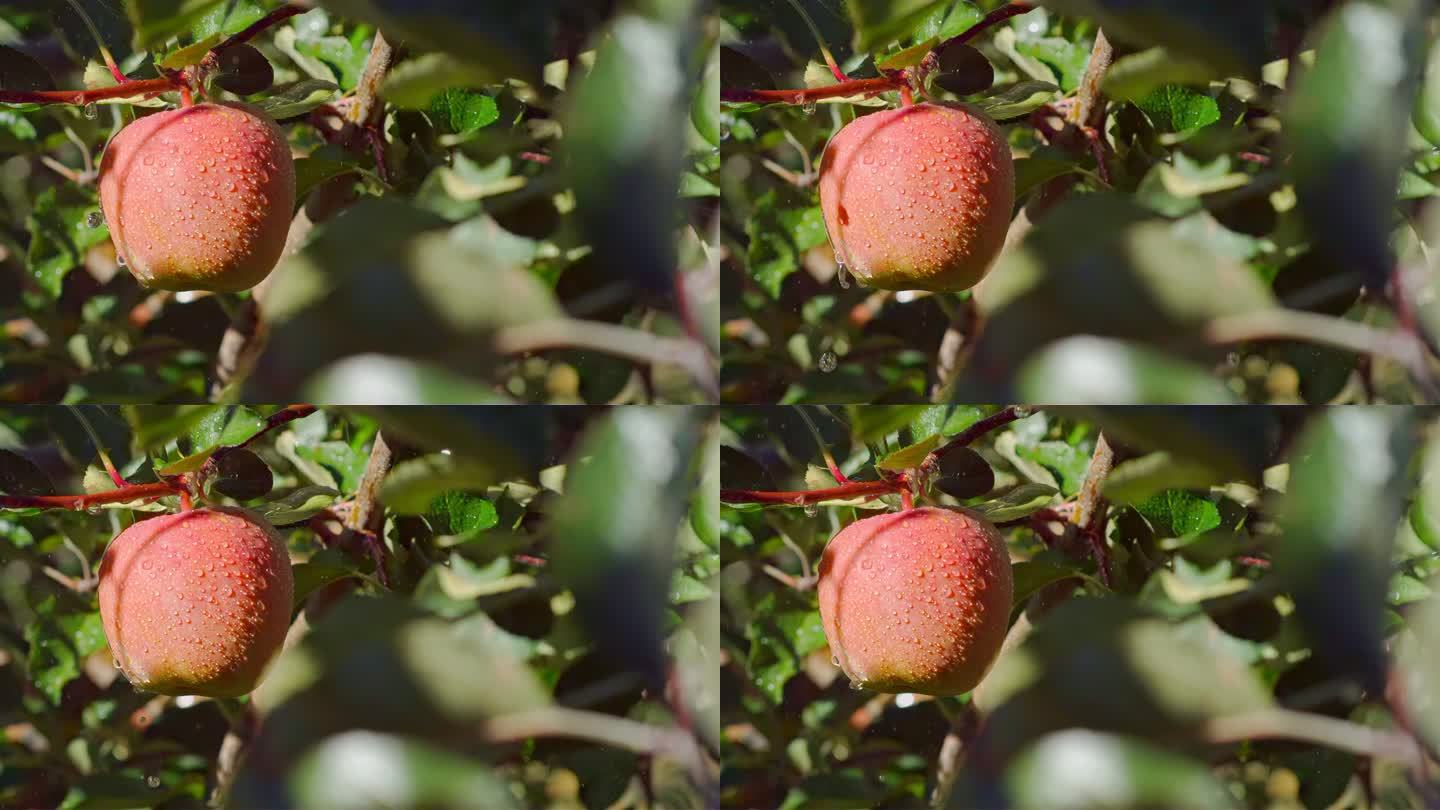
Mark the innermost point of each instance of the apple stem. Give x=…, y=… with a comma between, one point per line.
x=185, y=99
x=907, y=99
x=907, y=501
x=185, y=504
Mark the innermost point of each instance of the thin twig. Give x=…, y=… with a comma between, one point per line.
x=249, y=32
x=604, y=729
x=1287, y=724
x=999, y=419
x=607, y=338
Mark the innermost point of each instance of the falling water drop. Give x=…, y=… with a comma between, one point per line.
x=92, y=111
x=842, y=275
x=808, y=108
x=811, y=510
x=120, y=258
x=93, y=219
x=828, y=362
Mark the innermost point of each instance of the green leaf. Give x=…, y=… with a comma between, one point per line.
x=225, y=425
x=1177, y=513
x=779, y=238
x=1173, y=108
x=1136, y=480
x=298, y=98
x=155, y=21
x=462, y=513
x=1070, y=462
x=414, y=484
x=321, y=569
x=1018, y=100
x=299, y=506
x=705, y=107
x=190, y=54
x=948, y=20
x=414, y=82
x=230, y=17
x=1426, y=114
x=1024, y=500
x=60, y=235
x=1135, y=76
x=878, y=22
x=780, y=638
x=1033, y=574
x=463, y=111
x=909, y=457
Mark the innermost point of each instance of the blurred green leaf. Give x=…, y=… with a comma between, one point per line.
x=1230, y=35
x=1081, y=769
x=1346, y=126
x=635, y=456
x=1340, y=513
x=492, y=38
x=624, y=129
x=362, y=769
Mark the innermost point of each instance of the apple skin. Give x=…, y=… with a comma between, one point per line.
x=918, y=198
x=199, y=198
x=198, y=602
x=916, y=601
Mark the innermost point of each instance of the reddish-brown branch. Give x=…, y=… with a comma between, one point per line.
x=854, y=489
x=854, y=87
x=898, y=80
x=249, y=33
x=966, y=437
x=139, y=87
x=999, y=15
x=126, y=88
x=133, y=492
x=888, y=486
x=285, y=415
